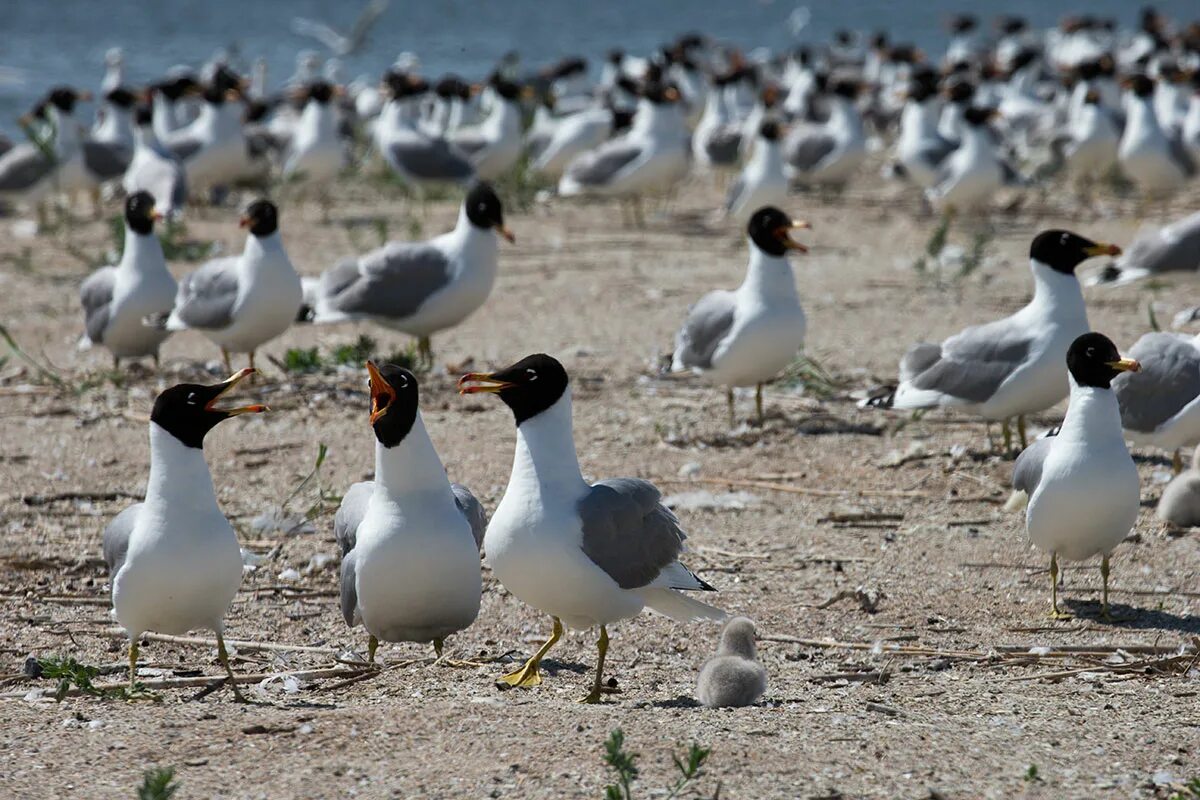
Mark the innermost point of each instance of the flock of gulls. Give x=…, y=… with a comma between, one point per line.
x=1086, y=103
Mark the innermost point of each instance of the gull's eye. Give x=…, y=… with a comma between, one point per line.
x=403, y=382
x=191, y=398
x=532, y=375
x=1091, y=351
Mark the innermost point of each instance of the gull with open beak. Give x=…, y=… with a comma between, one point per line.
x=1011, y=367
x=587, y=555
x=747, y=336
x=410, y=538
x=174, y=559
x=116, y=298
x=242, y=302
x=420, y=288
x=1081, y=485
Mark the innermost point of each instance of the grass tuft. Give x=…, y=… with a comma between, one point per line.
x=158, y=784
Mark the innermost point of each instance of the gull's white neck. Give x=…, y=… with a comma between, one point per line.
x=545, y=453
x=844, y=118
x=179, y=476
x=769, y=279
x=478, y=246
x=264, y=252
x=1143, y=122
x=143, y=254
x=318, y=121
x=1093, y=418
x=767, y=158
x=411, y=467
x=918, y=120
x=1056, y=296
x=66, y=133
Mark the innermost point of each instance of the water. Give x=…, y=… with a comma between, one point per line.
x=64, y=41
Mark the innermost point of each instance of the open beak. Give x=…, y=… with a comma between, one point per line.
x=1125, y=365
x=788, y=241
x=244, y=221
x=1102, y=249
x=156, y=215
x=476, y=382
x=226, y=387
x=503, y=230
x=382, y=395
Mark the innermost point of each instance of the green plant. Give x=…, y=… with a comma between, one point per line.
x=520, y=186
x=974, y=257
x=158, y=784
x=45, y=372
x=356, y=353
x=1031, y=774
x=72, y=674
x=298, y=359
x=1153, y=317
x=178, y=247
x=624, y=764
x=815, y=378
x=1190, y=791
x=406, y=358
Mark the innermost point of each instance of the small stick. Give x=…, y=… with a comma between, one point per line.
x=105, y=497
x=789, y=489
x=205, y=680
x=729, y=553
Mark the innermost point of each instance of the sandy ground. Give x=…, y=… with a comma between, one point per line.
x=934, y=699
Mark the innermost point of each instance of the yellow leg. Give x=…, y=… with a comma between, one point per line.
x=223, y=654
x=1054, y=612
x=439, y=644
x=1104, y=612
x=602, y=649
x=1006, y=431
x=225, y=358
x=251, y=359
x=527, y=676
x=1021, y=431
x=133, y=655
x=758, y=403
x=1176, y=463
x=372, y=646
x=729, y=402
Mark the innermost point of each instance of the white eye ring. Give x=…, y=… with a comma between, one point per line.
x=532, y=375
x=191, y=398
x=403, y=382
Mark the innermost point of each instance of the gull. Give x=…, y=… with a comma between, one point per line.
x=920, y=149
x=174, y=559
x=718, y=136
x=242, y=302
x=116, y=298
x=340, y=43
x=168, y=101
x=829, y=153
x=733, y=677
x=1180, y=502
x=747, y=336
x=315, y=154
x=762, y=181
x=1091, y=151
x=109, y=150
x=587, y=555
x=578, y=133
x=1013, y=366
x=1081, y=485
x=1160, y=403
x=153, y=169
x=494, y=145
x=970, y=176
x=1171, y=248
x=419, y=287
x=409, y=539
x=417, y=158
x=31, y=171
x=1152, y=157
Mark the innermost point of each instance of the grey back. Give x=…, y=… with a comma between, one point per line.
x=602, y=165
x=96, y=297
x=1027, y=471
x=974, y=363
x=472, y=510
x=105, y=160
x=115, y=543
x=707, y=324
x=207, y=296
x=393, y=281
x=22, y=167
x=1168, y=380
x=627, y=532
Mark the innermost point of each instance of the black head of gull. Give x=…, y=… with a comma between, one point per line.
x=959, y=92
x=1063, y=251
x=921, y=90
x=226, y=80
x=64, y=98
x=321, y=92
x=691, y=41
x=844, y=38
x=504, y=87
x=140, y=215
x=963, y=23
x=1094, y=360
x=177, y=87
x=451, y=86
x=395, y=398
x=188, y=411
x=978, y=116
x=770, y=230
x=569, y=66
x=261, y=218
x=1010, y=25
x=256, y=111
x=616, y=57
x=484, y=210
x=1140, y=85
x=769, y=130
x=846, y=89
x=622, y=120
x=660, y=94
x=528, y=387
x=143, y=116
x=121, y=97
x=879, y=41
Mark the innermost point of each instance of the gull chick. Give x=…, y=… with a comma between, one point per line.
x=733, y=677
x=174, y=559
x=587, y=555
x=1180, y=503
x=1081, y=484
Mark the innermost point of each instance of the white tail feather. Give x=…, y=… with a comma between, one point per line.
x=679, y=607
x=1016, y=501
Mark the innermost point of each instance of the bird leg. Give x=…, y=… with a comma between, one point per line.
x=425, y=352
x=251, y=360
x=598, y=689
x=116, y=363
x=1054, y=612
x=372, y=646
x=729, y=401
x=758, y=404
x=223, y=654
x=225, y=358
x=133, y=655
x=1021, y=430
x=1104, y=612
x=438, y=644
x=1006, y=432
x=527, y=676
x=1176, y=462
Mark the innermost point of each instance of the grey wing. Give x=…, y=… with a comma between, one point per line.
x=183, y=149
x=1027, y=471
x=431, y=159
x=734, y=194
x=935, y=151
x=1174, y=249
x=807, y=152
x=628, y=533
x=350, y=514
x=707, y=324
x=1168, y=380
x=722, y=146
x=348, y=590
x=974, y=363
x=22, y=167
x=601, y=166
x=106, y=161
x=116, y=538
x=206, y=297
x=96, y=296
x=393, y=281
x=920, y=357
x=472, y=509
x=470, y=142
x=1182, y=156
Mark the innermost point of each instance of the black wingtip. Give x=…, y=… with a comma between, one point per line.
x=306, y=313
x=705, y=586
x=157, y=320
x=882, y=398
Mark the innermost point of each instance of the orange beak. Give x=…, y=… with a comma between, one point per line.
x=382, y=395
x=1103, y=249
x=481, y=382
x=244, y=221
x=503, y=230
x=228, y=385
x=785, y=235
x=1125, y=365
